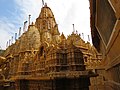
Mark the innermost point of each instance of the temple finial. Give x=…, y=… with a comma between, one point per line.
x=19, y=31
x=42, y=2
x=29, y=19
x=45, y=4
x=32, y=23
x=12, y=40
x=25, y=25
x=15, y=37
x=83, y=35
x=88, y=38
x=73, y=28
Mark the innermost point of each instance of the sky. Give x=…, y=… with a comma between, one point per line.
x=13, y=14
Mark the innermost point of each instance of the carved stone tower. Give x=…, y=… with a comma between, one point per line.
x=47, y=25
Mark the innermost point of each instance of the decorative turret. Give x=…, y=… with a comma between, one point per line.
x=63, y=36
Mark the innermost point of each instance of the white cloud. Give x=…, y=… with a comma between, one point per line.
x=6, y=31
x=66, y=13
x=29, y=7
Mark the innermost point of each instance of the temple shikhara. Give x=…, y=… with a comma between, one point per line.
x=42, y=58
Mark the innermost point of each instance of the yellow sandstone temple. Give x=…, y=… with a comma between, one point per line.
x=44, y=59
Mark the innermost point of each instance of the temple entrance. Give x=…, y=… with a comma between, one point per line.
x=24, y=84
x=72, y=84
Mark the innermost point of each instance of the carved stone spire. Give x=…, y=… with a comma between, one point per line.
x=46, y=21
x=63, y=36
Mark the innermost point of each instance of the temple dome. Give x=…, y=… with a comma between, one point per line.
x=30, y=39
